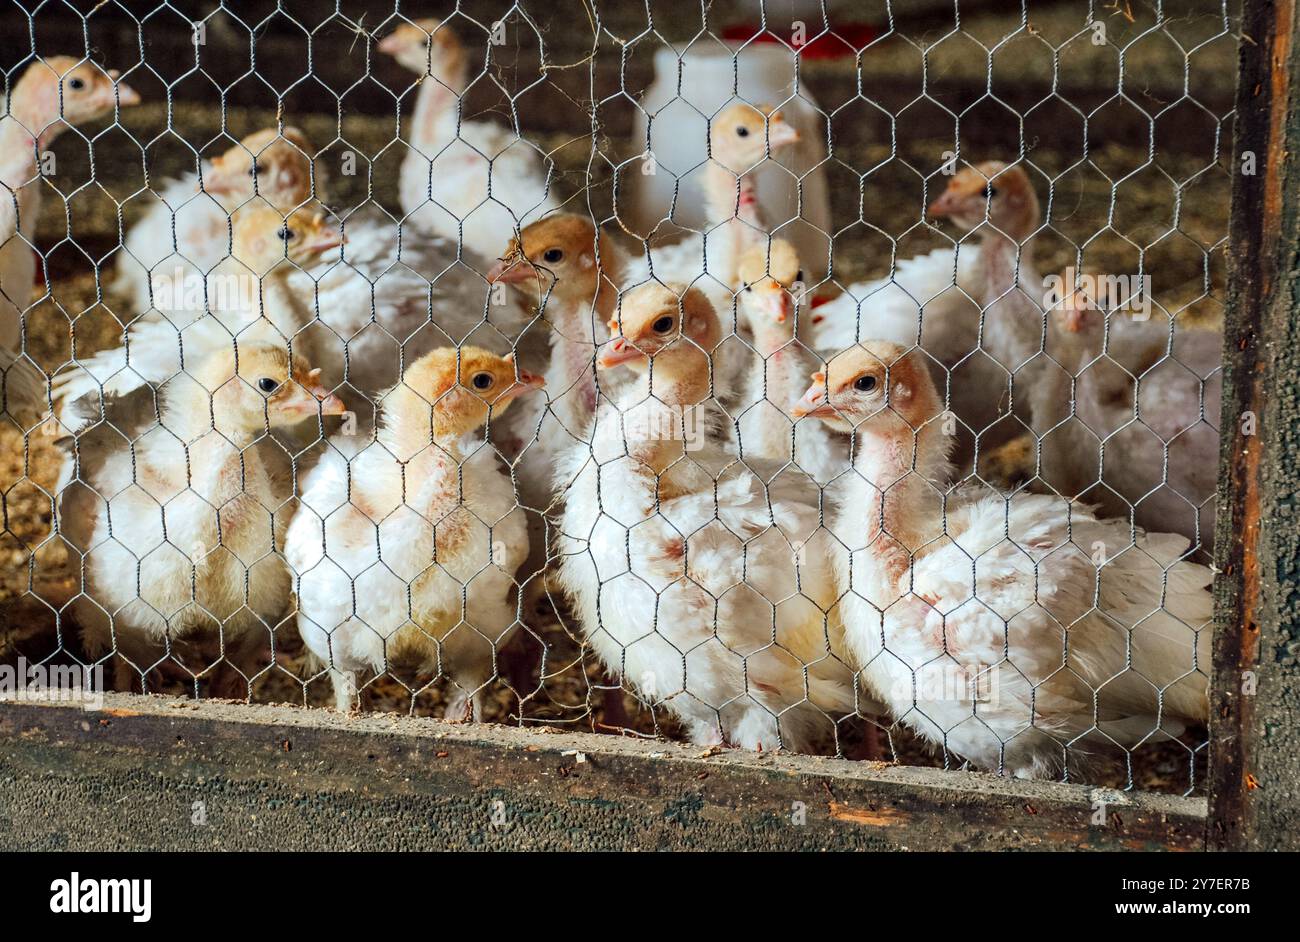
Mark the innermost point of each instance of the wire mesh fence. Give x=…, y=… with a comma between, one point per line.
x=834, y=378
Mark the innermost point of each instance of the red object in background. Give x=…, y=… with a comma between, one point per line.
x=823, y=46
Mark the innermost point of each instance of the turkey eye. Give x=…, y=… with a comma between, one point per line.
x=76, y=84
x=482, y=380
x=663, y=325
x=742, y=131
x=267, y=385
x=286, y=234
x=254, y=170
x=553, y=255
x=864, y=383
x=989, y=192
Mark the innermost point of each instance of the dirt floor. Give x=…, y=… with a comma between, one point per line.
x=1120, y=207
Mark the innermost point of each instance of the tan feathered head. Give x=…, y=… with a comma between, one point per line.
x=425, y=46
x=559, y=254
x=275, y=165
x=994, y=192
x=741, y=134
x=253, y=386
x=871, y=379
x=59, y=91
x=263, y=237
x=456, y=389
x=671, y=324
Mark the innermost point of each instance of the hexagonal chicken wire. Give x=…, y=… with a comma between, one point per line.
x=882, y=353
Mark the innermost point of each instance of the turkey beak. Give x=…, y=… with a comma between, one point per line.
x=511, y=271
x=525, y=383
x=126, y=95
x=781, y=133
x=326, y=401
x=618, y=352
x=330, y=404
x=814, y=403
x=326, y=239
x=947, y=204
x=391, y=45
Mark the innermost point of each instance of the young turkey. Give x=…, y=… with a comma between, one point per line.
x=569, y=271
x=186, y=231
x=707, y=588
x=51, y=95
x=465, y=180
x=173, y=513
x=409, y=546
x=1020, y=633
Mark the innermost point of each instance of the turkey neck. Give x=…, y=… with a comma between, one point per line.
x=212, y=436
x=27, y=117
x=571, y=373
x=410, y=427
x=780, y=378
x=730, y=195
x=17, y=263
x=280, y=304
x=18, y=149
x=427, y=448
x=437, y=106
x=19, y=153
x=731, y=201
x=1012, y=321
x=892, y=495
x=662, y=404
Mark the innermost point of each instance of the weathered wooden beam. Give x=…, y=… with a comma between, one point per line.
x=1255, y=705
x=153, y=772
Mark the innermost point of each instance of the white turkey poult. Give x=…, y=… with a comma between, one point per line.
x=1021, y=634
x=741, y=138
x=50, y=96
x=972, y=308
x=772, y=290
x=249, y=298
x=1149, y=392
x=409, y=546
x=175, y=511
x=569, y=271
x=707, y=590
x=185, y=232
x=469, y=181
